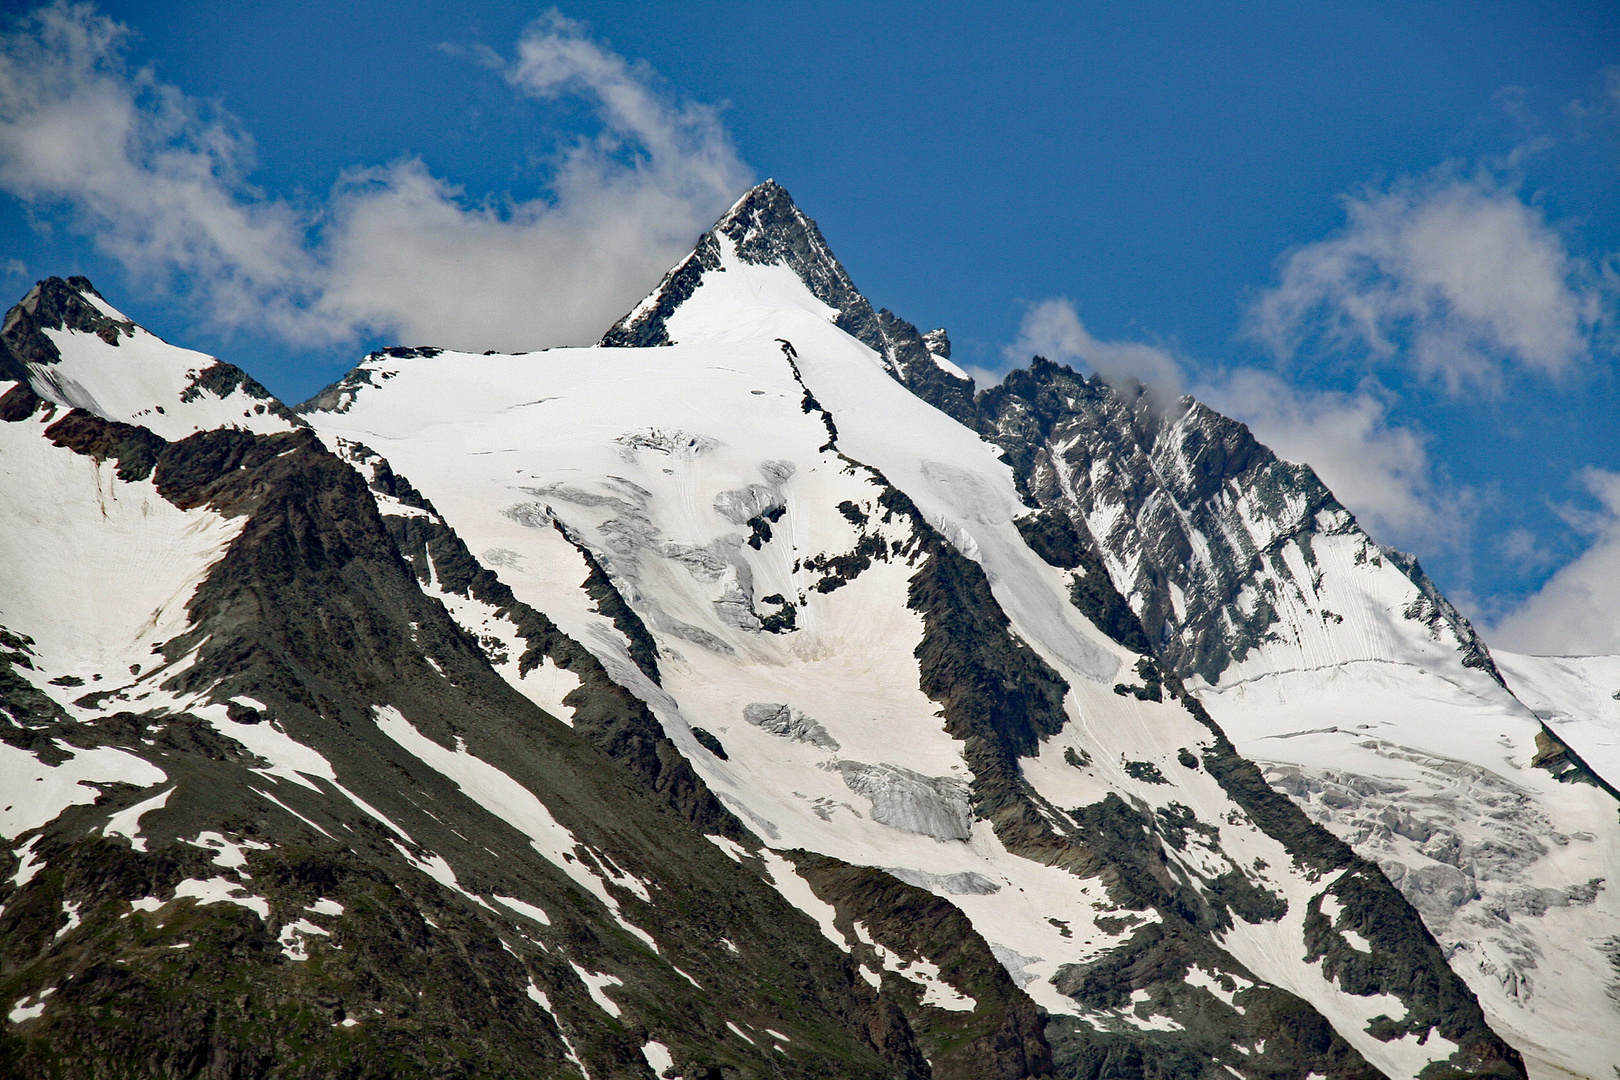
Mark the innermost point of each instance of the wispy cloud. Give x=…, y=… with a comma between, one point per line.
x=1575, y=612
x=158, y=179
x=162, y=183
x=1052, y=328
x=1455, y=276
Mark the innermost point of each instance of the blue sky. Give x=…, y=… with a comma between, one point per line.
x=1384, y=235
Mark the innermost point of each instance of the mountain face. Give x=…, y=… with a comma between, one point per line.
x=1336, y=665
x=746, y=696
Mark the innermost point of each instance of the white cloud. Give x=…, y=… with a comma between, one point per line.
x=1052, y=329
x=1575, y=611
x=1380, y=470
x=148, y=172
x=1457, y=277
x=160, y=182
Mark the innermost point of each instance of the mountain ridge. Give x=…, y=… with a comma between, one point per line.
x=958, y=714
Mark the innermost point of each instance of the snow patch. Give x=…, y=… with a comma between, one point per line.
x=222, y=891
x=524, y=908
x=127, y=823
x=22, y=1011
x=70, y=908
x=936, y=993
x=596, y=984
x=294, y=938
x=36, y=793
x=659, y=1059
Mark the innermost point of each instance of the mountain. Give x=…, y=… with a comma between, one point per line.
x=748, y=696
x=1336, y=665
x=77, y=351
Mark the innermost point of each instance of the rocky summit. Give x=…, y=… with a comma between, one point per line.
x=750, y=695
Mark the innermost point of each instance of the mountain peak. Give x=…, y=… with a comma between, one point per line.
x=59, y=341
x=766, y=228
x=54, y=305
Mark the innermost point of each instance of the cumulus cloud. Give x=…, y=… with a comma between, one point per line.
x=1574, y=613
x=1457, y=277
x=1380, y=470
x=160, y=181
x=151, y=174
x=1053, y=329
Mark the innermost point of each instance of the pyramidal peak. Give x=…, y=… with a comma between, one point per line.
x=765, y=230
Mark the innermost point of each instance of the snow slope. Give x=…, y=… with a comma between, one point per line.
x=78, y=351
x=1511, y=870
x=1578, y=697
x=97, y=570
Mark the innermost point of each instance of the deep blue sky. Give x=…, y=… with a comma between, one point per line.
x=1149, y=162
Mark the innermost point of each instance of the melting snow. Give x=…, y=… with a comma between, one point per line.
x=20, y=1011
x=222, y=891
x=596, y=984
x=659, y=1059
x=524, y=908
x=517, y=805
x=70, y=908
x=294, y=938
x=936, y=992
x=128, y=822
x=28, y=867
x=36, y=793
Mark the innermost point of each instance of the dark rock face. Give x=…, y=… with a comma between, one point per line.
x=315, y=613
x=1052, y=536
x=1298, y=1042
x=134, y=448
x=1197, y=507
x=1001, y=1037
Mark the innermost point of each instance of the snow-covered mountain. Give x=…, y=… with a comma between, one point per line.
x=745, y=696
x=77, y=351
